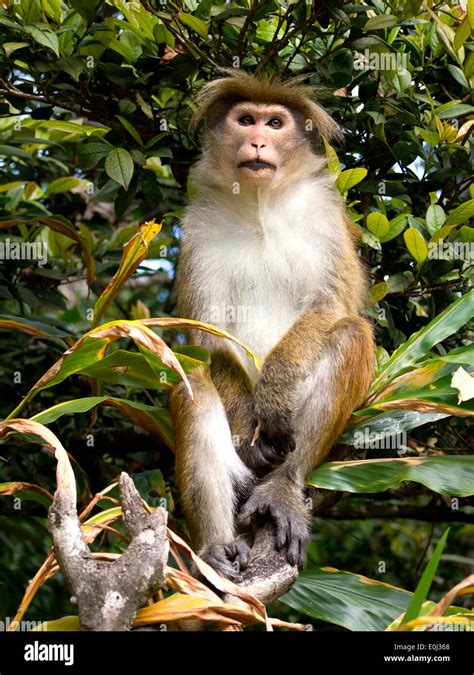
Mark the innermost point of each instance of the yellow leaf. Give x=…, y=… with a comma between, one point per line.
x=416, y=245
x=134, y=252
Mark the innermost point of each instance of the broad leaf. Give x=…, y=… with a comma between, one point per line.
x=451, y=475
x=374, y=429
x=35, y=328
x=134, y=252
x=345, y=599
x=349, y=178
x=419, y=344
x=119, y=166
x=153, y=419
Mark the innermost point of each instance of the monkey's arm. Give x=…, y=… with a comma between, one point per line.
x=286, y=367
x=236, y=393
x=331, y=385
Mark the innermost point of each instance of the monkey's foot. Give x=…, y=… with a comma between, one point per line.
x=228, y=559
x=283, y=503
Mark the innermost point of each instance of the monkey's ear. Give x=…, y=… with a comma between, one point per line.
x=211, y=98
x=318, y=121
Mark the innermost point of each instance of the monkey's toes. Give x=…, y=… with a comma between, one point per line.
x=291, y=525
x=228, y=559
x=292, y=537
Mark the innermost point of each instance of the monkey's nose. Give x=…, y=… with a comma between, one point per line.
x=258, y=146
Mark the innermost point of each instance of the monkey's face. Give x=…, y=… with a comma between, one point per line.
x=259, y=143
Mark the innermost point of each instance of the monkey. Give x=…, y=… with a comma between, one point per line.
x=268, y=253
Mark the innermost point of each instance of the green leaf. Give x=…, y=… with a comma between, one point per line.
x=466, y=234
x=470, y=13
x=385, y=425
x=446, y=36
x=458, y=75
x=452, y=475
x=132, y=370
x=461, y=213
x=332, y=159
x=419, y=344
x=378, y=292
x=197, y=25
x=12, y=151
x=435, y=217
x=131, y=130
x=441, y=234
x=128, y=369
x=462, y=34
x=416, y=245
x=425, y=582
x=153, y=419
x=44, y=37
x=400, y=282
x=91, y=153
x=73, y=66
x=424, y=388
x=400, y=79
x=349, y=178
x=64, y=624
x=63, y=226
x=397, y=225
x=381, y=21
x=345, y=599
x=72, y=128
x=378, y=224
x=455, y=110
x=10, y=47
x=64, y=184
x=128, y=45
x=119, y=166
x=86, y=8
x=29, y=492
x=36, y=328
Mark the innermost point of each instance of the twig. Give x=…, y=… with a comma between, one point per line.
x=243, y=30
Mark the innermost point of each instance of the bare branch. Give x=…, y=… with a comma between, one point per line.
x=108, y=594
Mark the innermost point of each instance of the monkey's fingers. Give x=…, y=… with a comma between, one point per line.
x=228, y=559
x=282, y=440
x=239, y=552
x=249, y=511
x=270, y=454
x=292, y=536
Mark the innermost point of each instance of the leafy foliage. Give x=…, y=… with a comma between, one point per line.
x=95, y=99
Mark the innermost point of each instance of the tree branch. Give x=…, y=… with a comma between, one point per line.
x=108, y=594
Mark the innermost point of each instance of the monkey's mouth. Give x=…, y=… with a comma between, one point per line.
x=257, y=165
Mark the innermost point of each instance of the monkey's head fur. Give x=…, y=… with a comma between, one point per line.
x=260, y=132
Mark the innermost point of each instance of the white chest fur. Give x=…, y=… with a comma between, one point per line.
x=257, y=269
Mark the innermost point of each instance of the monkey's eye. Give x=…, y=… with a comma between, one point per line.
x=246, y=120
x=275, y=123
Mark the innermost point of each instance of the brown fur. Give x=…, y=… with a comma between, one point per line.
x=315, y=372
x=217, y=96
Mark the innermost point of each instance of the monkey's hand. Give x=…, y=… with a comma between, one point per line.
x=228, y=559
x=262, y=457
x=273, y=413
x=281, y=501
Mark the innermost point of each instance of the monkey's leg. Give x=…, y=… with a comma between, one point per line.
x=337, y=383
x=235, y=390
x=209, y=473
